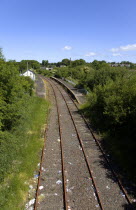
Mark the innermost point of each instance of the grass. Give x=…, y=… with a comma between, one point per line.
x=20, y=154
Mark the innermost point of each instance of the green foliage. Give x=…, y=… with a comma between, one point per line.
x=19, y=153
x=47, y=73
x=21, y=117
x=111, y=108
x=78, y=62
x=65, y=62
x=31, y=64
x=1, y=55
x=78, y=73
x=99, y=64
x=101, y=76
x=62, y=72
x=45, y=62
x=14, y=91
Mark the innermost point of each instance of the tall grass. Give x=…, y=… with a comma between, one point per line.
x=19, y=154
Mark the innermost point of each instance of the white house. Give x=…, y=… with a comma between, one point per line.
x=30, y=74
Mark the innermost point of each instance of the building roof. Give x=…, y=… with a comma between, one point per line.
x=27, y=71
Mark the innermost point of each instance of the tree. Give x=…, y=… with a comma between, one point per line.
x=31, y=64
x=78, y=62
x=66, y=62
x=1, y=55
x=99, y=64
x=125, y=62
x=58, y=64
x=45, y=62
x=12, y=61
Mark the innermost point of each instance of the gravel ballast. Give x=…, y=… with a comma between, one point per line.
x=80, y=190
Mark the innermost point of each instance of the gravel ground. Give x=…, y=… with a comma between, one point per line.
x=40, y=88
x=51, y=193
x=110, y=193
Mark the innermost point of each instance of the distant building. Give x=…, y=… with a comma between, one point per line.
x=125, y=64
x=114, y=65
x=30, y=74
x=49, y=68
x=120, y=64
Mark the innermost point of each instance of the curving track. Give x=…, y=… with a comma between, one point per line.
x=84, y=180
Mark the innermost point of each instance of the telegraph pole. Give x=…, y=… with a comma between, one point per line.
x=70, y=67
x=27, y=68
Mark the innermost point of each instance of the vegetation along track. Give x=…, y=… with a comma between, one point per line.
x=86, y=181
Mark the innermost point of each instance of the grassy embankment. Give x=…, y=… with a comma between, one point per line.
x=20, y=154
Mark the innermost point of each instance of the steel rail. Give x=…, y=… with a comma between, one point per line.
x=81, y=144
x=65, y=200
x=39, y=179
x=102, y=151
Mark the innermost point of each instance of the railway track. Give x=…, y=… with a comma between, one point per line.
x=76, y=102
x=81, y=144
x=86, y=160
x=81, y=189
x=65, y=200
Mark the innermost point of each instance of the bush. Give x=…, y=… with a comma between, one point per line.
x=14, y=92
x=111, y=108
x=21, y=117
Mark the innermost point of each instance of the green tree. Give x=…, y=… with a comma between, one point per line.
x=66, y=62
x=78, y=62
x=14, y=88
x=99, y=64
x=1, y=55
x=31, y=64
x=45, y=62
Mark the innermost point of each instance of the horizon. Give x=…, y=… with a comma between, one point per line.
x=69, y=59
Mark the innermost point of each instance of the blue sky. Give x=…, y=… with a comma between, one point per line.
x=57, y=29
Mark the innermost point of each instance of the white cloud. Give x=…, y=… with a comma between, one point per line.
x=116, y=54
x=67, y=48
x=129, y=47
x=90, y=54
